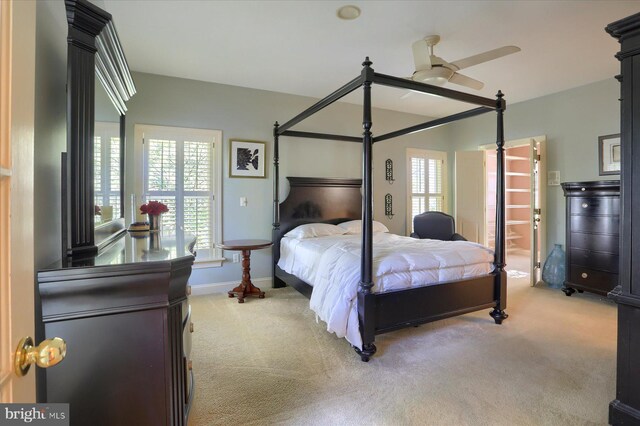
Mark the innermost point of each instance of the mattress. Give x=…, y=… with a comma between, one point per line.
x=332, y=266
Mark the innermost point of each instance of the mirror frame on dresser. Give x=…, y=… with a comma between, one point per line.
x=106, y=284
x=93, y=50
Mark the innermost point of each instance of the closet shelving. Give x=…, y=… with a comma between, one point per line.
x=518, y=197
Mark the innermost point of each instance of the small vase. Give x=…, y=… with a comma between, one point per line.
x=155, y=224
x=154, y=242
x=554, y=268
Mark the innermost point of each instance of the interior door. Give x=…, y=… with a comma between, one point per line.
x=538, y=197
x=470, y=211
x=17, y=96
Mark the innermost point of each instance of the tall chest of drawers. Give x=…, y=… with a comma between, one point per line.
x=593, y=236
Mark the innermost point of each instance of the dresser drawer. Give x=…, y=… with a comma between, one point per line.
x=595, y=260
x=587, y=277
x=595, y=224
x=595, y=205
x=597, y=242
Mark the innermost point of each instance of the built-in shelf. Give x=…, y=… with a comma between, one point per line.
x=518, y=206
x=517, y=190
x=4, y=172
x=513, y=174
x=518, y=222
x=511, y=157
x=508, y=237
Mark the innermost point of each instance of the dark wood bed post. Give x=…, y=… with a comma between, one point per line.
x=366, y=299
x=498, y=313
x=277, y=283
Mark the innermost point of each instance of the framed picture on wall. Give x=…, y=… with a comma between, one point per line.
x=609, y=154
x=246, y=159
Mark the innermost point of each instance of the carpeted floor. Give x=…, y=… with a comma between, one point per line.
x=552, y=362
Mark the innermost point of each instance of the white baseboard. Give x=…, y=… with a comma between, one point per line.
x=223, y=287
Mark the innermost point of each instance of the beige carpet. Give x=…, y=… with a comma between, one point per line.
x=552, y=362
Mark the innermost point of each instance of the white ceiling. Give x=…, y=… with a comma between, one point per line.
x=301, y=47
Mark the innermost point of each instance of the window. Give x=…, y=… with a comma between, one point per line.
x=106, y=171
x=182, y=169
x=426, y=182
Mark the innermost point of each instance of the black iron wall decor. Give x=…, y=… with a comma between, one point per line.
x=388, y=205
x=388, y=167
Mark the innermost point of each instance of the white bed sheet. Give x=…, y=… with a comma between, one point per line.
x=332, y=266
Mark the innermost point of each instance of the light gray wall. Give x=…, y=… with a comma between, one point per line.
x=250, y=114
x=572, y=120
x=50, y=127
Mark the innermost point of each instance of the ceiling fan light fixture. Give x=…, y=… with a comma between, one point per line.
x=436, y=76
x=432, y=69
x=348, y=12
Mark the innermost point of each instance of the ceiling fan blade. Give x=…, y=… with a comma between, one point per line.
x=486, y=56
x=463, y=80
x=406, y=95
x=421, y=57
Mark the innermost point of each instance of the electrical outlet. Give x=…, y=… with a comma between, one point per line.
x=236, y=257
x=243, y=201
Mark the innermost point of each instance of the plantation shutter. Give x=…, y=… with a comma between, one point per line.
x=179, y=173
x=426, y=189
x=106, y=168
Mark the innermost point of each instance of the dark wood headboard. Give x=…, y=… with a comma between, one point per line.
x=328, y=200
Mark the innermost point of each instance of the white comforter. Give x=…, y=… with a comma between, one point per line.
x=332, y=266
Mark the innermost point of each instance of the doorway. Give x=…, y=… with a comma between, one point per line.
x=524, y=198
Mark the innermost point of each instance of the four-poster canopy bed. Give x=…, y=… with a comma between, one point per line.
x=333, y=201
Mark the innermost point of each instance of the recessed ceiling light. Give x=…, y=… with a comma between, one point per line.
x=348, y=12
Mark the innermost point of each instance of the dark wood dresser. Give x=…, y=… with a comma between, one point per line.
x=593, y=236
x=125, y=316
x=625, y=408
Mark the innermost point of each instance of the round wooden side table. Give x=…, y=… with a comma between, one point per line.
x=246, y=288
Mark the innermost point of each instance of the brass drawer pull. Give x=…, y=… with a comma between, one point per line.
x=585, y=205
x=191, y=327
x=188, y=290
x=190, y=365
x=584, y=275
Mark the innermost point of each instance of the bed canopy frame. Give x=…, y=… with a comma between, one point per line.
x=382, y=312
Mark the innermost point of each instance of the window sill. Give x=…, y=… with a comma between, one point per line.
x=208, y=263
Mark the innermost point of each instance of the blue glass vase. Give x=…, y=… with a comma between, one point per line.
x=554, y=268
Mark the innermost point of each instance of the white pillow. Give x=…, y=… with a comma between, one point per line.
x=311, y=230
x=355, y=227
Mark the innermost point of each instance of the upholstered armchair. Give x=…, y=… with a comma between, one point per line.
x=436, y=226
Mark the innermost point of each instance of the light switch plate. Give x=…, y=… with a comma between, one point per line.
x=553, y=178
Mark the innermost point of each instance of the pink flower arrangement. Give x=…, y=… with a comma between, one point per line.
x=154, y=208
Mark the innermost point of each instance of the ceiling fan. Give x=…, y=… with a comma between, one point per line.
x=434, y=70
